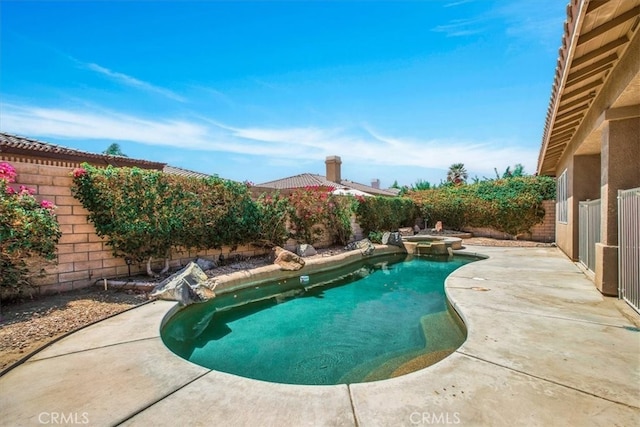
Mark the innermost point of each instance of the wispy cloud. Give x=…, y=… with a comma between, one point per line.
x=133, y=82
x=540, y=20
x=460, y=27
x=457, y=3
x=361, y=143
x=70, y=124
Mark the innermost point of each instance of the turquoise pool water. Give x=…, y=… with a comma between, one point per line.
x=356, y=324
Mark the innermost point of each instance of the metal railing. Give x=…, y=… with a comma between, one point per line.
x=588, y=232
x=629, y=246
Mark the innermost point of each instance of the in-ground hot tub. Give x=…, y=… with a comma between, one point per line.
x=424, y=244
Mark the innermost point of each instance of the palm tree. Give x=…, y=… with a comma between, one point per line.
x=518, y=170
x=114, y=150
x=457, y=174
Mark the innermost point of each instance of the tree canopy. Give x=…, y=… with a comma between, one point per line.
x=114, y=150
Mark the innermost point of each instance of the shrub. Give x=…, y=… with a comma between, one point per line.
x=340, y=210
x=385, y=213
x=375, y=236
x=511, y=205
x=273, y=211
x=146, y=213
x=448, y=204
x=29, y=231
x=314, y=211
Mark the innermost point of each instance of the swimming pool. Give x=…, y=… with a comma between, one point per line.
x=372, y=320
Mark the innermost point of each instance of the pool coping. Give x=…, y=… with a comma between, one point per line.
x=540, y=340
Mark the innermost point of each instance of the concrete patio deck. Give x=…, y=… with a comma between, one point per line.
x=543, y=348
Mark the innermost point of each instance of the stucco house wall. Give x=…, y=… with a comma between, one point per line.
x=592, y=130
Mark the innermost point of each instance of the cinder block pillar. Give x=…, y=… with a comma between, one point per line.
x=620, y=169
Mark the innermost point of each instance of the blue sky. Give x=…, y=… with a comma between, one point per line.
x=263, y=90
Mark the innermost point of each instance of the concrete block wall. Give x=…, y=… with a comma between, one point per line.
x=546, y=232
x=82, y=256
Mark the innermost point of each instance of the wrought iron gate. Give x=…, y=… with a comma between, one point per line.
x=629, y=246
x=588, y=232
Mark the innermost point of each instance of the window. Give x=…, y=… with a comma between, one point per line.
x=562, y=207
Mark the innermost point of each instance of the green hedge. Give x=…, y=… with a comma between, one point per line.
x=512, y=205
x=146, y=213
x=385, y=213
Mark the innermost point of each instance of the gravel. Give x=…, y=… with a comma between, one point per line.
x=28, y=325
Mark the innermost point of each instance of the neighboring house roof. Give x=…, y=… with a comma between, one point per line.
x=299, y=181
x=395, y=191
x=368, y=189
x=597, y=36
x=313, y=180
x=19, y=145
x=173, y=170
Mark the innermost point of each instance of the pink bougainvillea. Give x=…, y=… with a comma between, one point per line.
x=47, y=205
x=78, y=172
x=28, y=229
x=7, y=172
x=26, y=191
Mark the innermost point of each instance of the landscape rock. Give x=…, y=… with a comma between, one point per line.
x=406, y=231
x=187, y=286
x=365, y=246
x=305, y=250
x=385, y=237
x=206, y=264
x=287, y=260
x=394, y=239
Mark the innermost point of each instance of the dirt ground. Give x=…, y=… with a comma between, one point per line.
x=28, y=325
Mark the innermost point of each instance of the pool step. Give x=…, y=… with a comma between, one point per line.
x=421, y=362
x=441, y=332
x=442, y=335
x=380, y=367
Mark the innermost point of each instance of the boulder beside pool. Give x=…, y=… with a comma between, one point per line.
x=364, y=246
x=187, y=286
x=394, y=239
x=305, y=250
x=287, y=260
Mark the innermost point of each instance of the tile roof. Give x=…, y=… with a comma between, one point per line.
x=14, y=144
x=299, y=181
x=173, y=170
x=313, y=180
x=368, y=189
x=597, y=35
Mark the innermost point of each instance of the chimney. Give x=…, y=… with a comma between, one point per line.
x=333, y=168
x=375, y=183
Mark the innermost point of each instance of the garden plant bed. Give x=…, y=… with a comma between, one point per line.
x=26, y=326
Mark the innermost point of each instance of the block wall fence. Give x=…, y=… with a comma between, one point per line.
x=83, y=256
